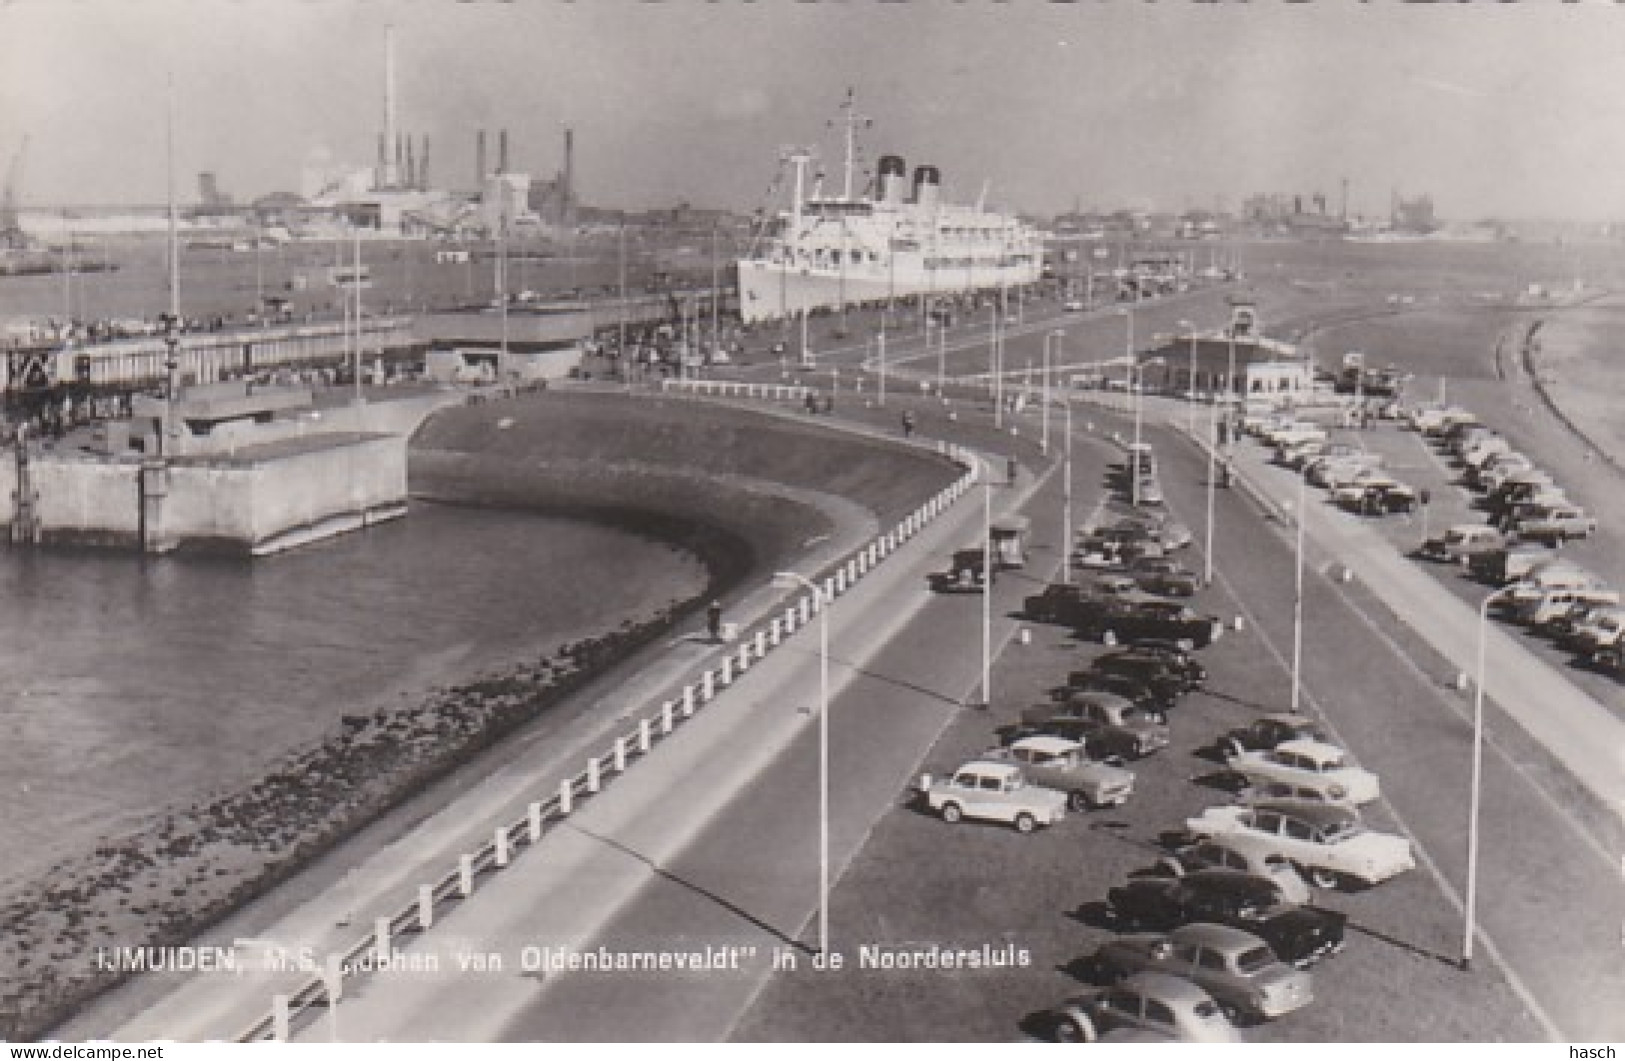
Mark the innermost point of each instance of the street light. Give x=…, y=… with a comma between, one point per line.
x=1213, y=446
x=1128, y=345
x=1138, y=375
x=1066, y=503
x=1297, y=597
x=1478, y=771
x=1056, y=334
x=821, y=603
x=1190, y=330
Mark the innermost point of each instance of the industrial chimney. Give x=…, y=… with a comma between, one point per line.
x=479, y=159
x=423, y=166
x=390, y=176
x=502, y=151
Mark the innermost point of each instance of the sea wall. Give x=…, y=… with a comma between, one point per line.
x=237, y=505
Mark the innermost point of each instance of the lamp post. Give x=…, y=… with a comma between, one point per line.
x=987, y=585
x=1043, y=438
x=1190, y=382
x=994, y=383
x=1471, y=905
x=1212, y=451
x=1066, y=496
x=1297, y=595
x=821, y=603
x=1138, y=385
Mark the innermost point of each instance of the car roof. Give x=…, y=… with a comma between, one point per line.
x=988, y=766
x=1219, y=937
x=1288, y=718
x=1315, y=813
x=1223, y=878
x=1044, y=742
x=1167, y=987
x=1319, y=750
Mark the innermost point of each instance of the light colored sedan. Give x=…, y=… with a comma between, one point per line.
x=1243, y=856
x=1236, y=968
x=1324, y=766
x=1330, y=844
x=1168, y=1007
x=1060, y=764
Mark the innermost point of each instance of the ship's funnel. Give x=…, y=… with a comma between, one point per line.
x=927, y=184
x=893, y=179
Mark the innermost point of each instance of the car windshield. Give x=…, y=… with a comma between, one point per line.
x=1206, y=1009
x=1255, y=960
x=1334, y=831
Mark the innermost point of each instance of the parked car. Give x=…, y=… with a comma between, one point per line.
x=1060, y=764
x=1062, y=602
x=1268, y=732
x=1131, y=619
x=1153, y=1006
x=1156, y=699
x=1560, y=523
x=1159, y=669
x=993, y=791
x=1301, y=935
x=1163, y=575
x=1223, y=852
x=1461, y=542
x=1330, y=844
x=1107, y=723
x=1180, y=661
x=1374, y=495
x=1534, y=586
x=1235, y=967
x=1313, y=762
x=1560, y=603
x=1601, y=629
x=1512, y=562
x=1495, y=468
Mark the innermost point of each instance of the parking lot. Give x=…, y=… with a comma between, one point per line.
x=920, y=882
x=1424, y=465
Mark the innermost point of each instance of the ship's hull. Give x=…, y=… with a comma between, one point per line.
x=769, y=290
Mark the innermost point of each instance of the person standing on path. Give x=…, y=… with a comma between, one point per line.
x=713, y=620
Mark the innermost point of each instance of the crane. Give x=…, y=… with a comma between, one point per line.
x=11, y=230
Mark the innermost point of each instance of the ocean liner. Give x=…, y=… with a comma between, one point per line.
x=829, y=252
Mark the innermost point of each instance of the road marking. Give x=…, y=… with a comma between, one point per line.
x=1553, y=1032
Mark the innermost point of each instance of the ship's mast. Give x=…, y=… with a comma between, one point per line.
x=799, y=157
x=851, y=120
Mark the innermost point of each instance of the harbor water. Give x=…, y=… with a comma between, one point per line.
x=131, y=686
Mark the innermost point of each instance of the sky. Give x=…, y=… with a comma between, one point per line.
x=1509, y=111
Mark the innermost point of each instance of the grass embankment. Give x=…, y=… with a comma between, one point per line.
x=739, y=488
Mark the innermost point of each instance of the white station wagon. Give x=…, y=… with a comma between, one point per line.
x=1329, y=843
x=1312, y=763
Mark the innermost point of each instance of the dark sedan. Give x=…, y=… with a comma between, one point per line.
x=1136, y=618
x=1299, y=934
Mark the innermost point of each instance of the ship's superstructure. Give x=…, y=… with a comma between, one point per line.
x=830, y=252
